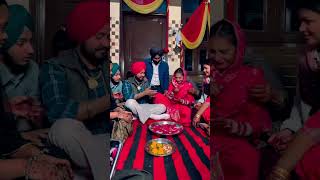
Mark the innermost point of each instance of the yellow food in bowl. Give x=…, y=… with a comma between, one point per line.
x=159, y=145
x=154, y=151
x=153, y=145
x=159, y=149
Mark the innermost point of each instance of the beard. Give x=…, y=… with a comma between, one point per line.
x=91, y=56
x=156, y=62
x=138, y=79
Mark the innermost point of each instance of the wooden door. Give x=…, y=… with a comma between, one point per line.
x=48, y=15
x=140, y=33
x=56, y=14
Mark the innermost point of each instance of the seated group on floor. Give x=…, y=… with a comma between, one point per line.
x=149, y=94
x=55, y=117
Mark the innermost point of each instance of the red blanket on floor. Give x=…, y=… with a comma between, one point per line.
x=190, y=160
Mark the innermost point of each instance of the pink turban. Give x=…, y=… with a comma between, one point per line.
x=87, y=18
x=137, y=67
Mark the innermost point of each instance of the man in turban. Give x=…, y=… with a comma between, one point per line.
x=137, y=93
x=15, y=150
x=157, y=71
x=116, y=84
x=75, y=89
x=19, y=73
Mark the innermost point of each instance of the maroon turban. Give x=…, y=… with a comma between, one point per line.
x=87, y=18
x=137, y=67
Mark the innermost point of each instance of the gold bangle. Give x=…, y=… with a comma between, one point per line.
x=197, y=115
x=281, y=173
x=28, y=168
x=29, y=164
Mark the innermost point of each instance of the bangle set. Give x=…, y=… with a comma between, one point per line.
x=198, y=116
x=280, y=174
x=29, y=164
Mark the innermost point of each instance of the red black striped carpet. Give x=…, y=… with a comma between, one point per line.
x=190, y=161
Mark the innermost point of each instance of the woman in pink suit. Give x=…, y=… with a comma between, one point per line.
x=303, y=153
x=236, y=118
x=178, y=99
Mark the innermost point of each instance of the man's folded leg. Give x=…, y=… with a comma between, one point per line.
x=87, y=151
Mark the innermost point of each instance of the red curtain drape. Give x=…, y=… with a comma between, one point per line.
x=193, y=32
x=144, y=6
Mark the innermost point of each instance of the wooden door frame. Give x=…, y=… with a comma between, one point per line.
x=122, y=46
x=37, y=10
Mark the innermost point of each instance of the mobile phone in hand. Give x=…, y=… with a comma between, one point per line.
x=153, y=88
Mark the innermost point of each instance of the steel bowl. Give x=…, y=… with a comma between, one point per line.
x=162, y=141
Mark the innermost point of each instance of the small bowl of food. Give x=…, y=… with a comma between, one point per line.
x=160, y=147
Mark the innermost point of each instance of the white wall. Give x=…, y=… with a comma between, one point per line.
x=175, y=14
x=25, y=3
x=115, y=28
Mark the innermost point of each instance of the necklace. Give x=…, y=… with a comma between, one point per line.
x=138, y=84
x=92, y=81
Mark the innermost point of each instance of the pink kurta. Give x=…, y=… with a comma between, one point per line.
x=239, y=159
x=171, y=103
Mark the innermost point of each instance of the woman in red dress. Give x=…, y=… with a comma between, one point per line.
x=303, y=152
x=178, y=100
x=237, y=119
